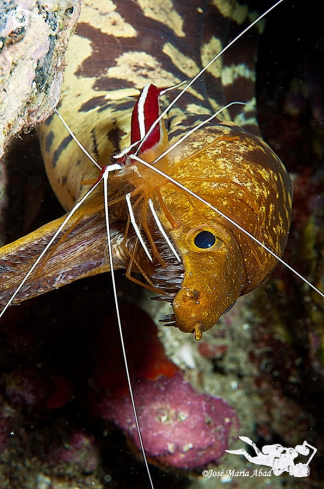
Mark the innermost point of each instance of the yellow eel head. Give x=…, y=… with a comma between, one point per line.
x=240, y=176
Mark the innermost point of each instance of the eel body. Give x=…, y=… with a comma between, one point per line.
x=118, y=48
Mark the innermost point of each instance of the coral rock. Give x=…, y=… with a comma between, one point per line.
x=33, y=39
x=79, y=451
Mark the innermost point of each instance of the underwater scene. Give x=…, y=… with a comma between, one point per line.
x=224, y=349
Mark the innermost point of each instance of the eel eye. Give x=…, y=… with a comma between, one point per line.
x=204, y=240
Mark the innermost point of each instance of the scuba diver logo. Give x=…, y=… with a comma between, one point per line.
x=279, y=458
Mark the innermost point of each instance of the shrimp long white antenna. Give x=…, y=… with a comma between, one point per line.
x=77, y=141
x=105, y=176
x=228, y=219
x=49, y=244
x=192, y=81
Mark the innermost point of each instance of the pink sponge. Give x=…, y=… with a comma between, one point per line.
x=180, y=426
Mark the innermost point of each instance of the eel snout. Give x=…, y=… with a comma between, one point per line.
x=197, y=311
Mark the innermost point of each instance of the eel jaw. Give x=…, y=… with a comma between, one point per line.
x=197, y=311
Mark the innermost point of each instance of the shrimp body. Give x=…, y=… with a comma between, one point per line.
x=237, y=173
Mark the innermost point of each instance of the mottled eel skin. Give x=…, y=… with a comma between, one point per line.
x=118, y=48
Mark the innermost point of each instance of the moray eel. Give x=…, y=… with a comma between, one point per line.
x=119, y=47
